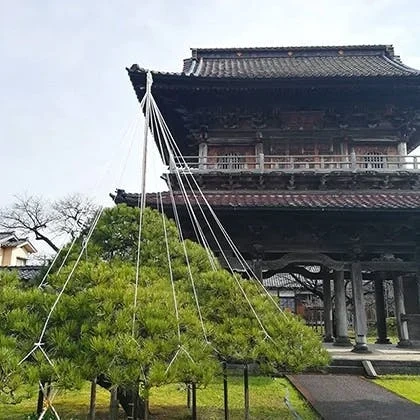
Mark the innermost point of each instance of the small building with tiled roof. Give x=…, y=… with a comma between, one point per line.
x=303, y=153
x=14, y=251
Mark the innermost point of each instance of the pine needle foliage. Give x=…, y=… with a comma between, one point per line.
x=91, y=334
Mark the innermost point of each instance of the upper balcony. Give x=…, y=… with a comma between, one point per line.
x=323, y=164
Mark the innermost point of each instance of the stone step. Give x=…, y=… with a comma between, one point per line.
x=382, y=367
x=346, y=362
x=346, y=370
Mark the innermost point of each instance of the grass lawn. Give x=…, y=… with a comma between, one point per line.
x=169, y=402
x=405, y=385
x=70, y=405
x=372, y=338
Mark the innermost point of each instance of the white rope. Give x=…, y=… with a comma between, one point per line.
x=190, y=275
x=142, y=193
x=49, y=399
x=167, y=135
x=62, y=263
x=178, y=352
x=77, y=219
x=186, y=198
x=180, y=346
x=237, y=253
x=199, y=234
x=171, y=277
x=39, y=343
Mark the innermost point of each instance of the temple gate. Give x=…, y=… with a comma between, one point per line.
x=303, y=154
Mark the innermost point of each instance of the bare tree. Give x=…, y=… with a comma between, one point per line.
x=29, y=215
x=45, y=220
x=73, y=213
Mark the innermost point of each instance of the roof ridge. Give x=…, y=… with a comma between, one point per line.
x=306, y=62
x=297, y=47
x=386, y=49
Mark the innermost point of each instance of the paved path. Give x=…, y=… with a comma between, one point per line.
x=347, y=397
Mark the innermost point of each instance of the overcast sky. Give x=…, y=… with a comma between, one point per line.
x=66, y=100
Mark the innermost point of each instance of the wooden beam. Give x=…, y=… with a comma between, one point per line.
x=305, y=258
x=398, y=266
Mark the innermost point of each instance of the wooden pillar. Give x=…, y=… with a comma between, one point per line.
x=328, y=321
x=359, y=309
x=258, y=269
x=380, y=309
x=404, y=340
x=259, y=153
x=202, y=156
x=402, y=148
x=342, y=338
x=418, y=292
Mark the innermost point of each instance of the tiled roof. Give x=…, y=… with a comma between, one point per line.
x=6, y=235
x=287, y=280
x=293, y=63
x=283, y=281
x=13, y=243
x=9, y=239
x=396, y=200
x=26, y=272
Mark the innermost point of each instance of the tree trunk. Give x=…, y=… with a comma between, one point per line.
x=194, y=401
x=40, y=237
x=188, y=396
x=92, y=406
x=40, y=402
x=126, y=398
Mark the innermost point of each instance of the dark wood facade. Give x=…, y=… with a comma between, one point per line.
x=302, y=153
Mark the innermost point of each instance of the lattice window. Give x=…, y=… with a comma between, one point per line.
x=374, y=160
x=230, y=161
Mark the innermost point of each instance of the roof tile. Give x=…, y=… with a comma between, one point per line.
x=298, y=200
x=293, y=62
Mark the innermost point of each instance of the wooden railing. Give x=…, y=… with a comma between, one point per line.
x=298, y=163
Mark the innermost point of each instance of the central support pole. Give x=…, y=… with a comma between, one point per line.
x=380, y=309
x=92, y=404
x=359, y=309
x=342, y=338
x=188, y=396
x=328, y=318
x=113, y=404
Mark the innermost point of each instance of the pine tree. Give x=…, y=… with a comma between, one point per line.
x=96, y=332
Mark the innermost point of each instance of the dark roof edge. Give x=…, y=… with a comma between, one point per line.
x=135, y=70
x=388, y=48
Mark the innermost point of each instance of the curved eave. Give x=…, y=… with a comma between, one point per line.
x=182, y=81
x=375, y=201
